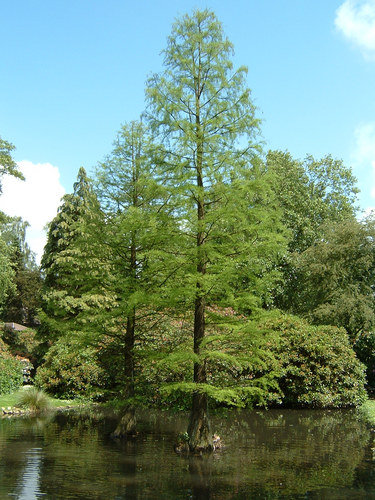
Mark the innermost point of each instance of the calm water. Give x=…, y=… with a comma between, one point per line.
x=268, y=454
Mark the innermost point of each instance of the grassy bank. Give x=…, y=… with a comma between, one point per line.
x=12, y=400
x=368, y=411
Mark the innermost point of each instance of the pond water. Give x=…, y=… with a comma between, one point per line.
x=268, y=454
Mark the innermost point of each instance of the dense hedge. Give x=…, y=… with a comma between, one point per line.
x=11, y=377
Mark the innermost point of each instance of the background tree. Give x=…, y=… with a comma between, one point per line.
x=24, y=299
x=7, y=167
x=203, y=111
x=311, y=193
x=6, y=271
x=78, y=279
x=338, y=276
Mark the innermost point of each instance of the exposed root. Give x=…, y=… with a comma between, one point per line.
x=182, y=445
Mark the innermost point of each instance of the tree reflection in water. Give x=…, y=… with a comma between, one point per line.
x=267, y=454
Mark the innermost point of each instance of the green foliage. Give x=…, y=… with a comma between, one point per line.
x=23, y=301
x=136, y=216
x=228, y=235
x=10, y=374
x=148, y=294
x=318, y=365
x=337, y=277
x=367, y=411
x=4, y=348
x=23, y=343
x=162, y=356
x=12, y=230
x=76, y=265
x=273, y=360
x=23, y=297
x=240, y=365
x=6, y=273
x=310, y=193
x=33, y=399
x=138, y=227
x=7, y=165
x=71, y=370
x=240, y=369
x=365, y=350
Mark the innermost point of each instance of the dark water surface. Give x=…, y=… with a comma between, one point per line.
x=268, y=454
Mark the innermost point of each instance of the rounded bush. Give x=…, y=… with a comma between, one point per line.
x=319, y=368
x=71, y=370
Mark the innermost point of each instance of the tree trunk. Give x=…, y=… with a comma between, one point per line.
x=129, y=355
x=127, y=425
x=199, y=430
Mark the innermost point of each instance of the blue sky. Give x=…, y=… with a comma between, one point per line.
x=72, y=71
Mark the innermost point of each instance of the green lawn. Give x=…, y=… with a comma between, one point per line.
x=12, y=400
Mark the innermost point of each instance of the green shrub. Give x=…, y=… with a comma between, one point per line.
x=10, y=375
x=33, y=399
x=71, y=370
x=319, y=368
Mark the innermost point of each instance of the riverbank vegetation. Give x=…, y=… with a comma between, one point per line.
x=30, y=398
x=367, y=410
x=195, y=269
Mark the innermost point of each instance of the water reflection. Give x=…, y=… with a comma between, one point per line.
x=30, y=488
x=268, y=454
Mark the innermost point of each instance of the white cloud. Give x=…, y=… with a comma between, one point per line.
x=35, y=200
x=363, y=160
x=365, y=144
x=356, y=20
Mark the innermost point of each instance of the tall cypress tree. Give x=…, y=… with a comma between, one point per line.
x=203, y=110
x=136, y=215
